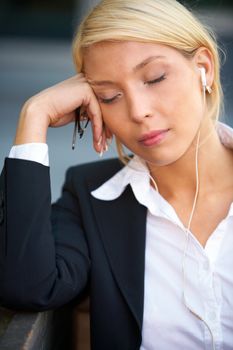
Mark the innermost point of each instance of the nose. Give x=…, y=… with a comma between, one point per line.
x=138, y=107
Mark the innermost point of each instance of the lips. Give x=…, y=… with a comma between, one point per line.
x=153, y=137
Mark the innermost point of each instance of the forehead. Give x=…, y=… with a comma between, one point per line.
x=105, y=56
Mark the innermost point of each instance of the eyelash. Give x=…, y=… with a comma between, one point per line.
x=151, y=82
x=107, y=100
x=156, y=80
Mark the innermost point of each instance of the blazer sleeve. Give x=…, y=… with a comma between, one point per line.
x=44, y=258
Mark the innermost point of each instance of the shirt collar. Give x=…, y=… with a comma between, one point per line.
x=136, y=174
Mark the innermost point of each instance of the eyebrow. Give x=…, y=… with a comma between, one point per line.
x=135, y=69
x=146, y=61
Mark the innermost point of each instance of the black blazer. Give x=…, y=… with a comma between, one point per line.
x=50, y=257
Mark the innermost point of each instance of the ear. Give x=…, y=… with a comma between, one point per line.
x=204, y=58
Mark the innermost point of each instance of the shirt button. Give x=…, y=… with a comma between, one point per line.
x=212, y=316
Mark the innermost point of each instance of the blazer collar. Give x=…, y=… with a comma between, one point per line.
x=122, y=226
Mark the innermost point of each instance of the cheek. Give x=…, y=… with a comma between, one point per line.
x=115, y=119
x=185, y=107
x=183, y=92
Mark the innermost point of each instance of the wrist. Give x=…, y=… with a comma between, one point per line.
x=33, y=125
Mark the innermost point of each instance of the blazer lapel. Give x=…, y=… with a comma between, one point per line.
x=122, y=225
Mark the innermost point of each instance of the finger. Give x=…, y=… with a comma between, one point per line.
x=109, y=135
x=66, y=119
x=105, y=145
x=94, y=113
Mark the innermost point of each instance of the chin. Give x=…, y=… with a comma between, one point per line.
x=161, y=158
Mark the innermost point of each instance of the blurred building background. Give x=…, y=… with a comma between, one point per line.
x=35, y=52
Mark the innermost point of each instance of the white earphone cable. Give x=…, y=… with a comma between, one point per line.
x=187, y=229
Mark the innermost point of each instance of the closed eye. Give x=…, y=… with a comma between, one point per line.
x=155, y=81
x=150, y=82
x=108, y=100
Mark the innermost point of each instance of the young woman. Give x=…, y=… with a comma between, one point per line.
x=150, y=241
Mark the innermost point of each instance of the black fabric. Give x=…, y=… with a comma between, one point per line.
x=50, y=257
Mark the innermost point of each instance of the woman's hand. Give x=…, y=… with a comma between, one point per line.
x=56, y=107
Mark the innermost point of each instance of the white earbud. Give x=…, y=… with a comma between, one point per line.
x=203, y=77
x=203, y=81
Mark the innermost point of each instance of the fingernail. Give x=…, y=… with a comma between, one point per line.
x=109, y=141
x=100, y=140
x=101, y=154
x=106, y=148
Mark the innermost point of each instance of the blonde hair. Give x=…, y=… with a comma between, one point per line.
x=153, y=21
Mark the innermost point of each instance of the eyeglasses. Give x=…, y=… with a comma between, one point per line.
x=81, y=122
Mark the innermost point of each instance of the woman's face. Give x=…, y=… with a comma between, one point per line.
x=150, y=96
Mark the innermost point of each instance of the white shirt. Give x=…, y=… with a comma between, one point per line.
x=208, y=290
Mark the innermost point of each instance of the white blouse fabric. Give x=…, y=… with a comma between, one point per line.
x=205, y=320
x=36, y=152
